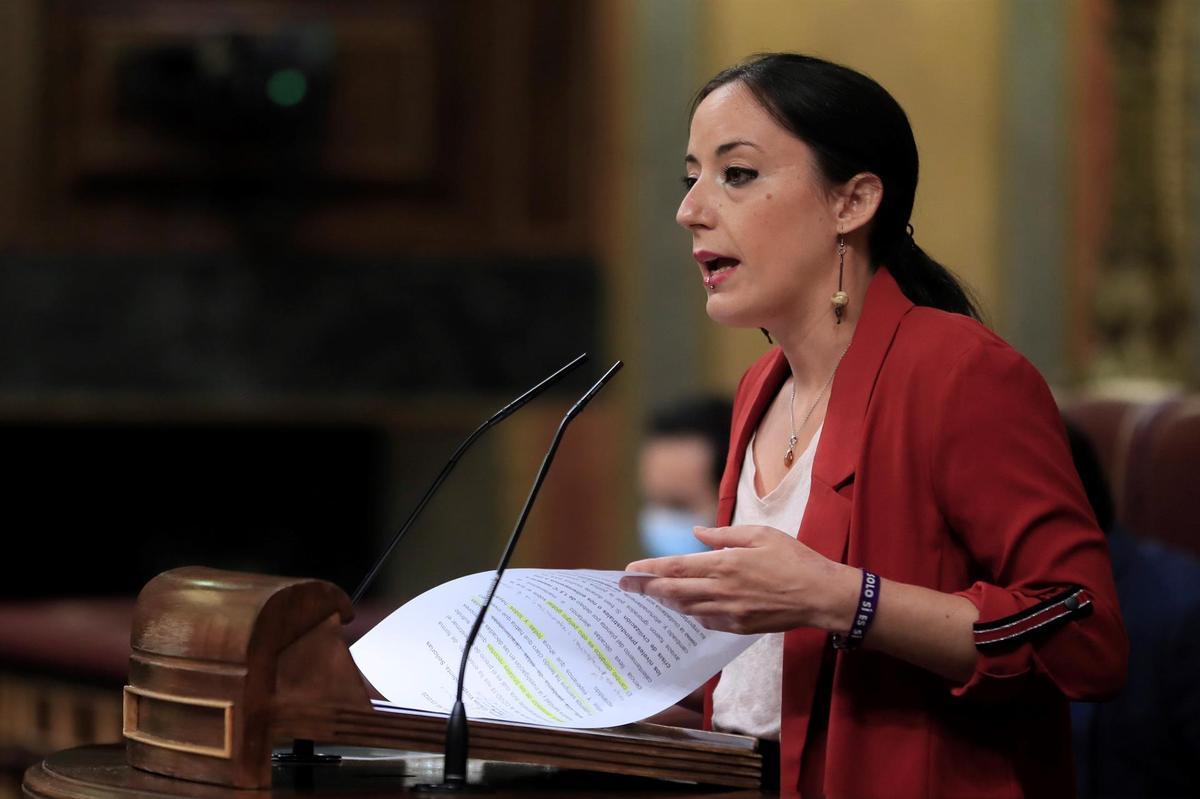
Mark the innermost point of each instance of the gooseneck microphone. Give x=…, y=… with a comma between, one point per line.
x=496, y=418
x=454, y=773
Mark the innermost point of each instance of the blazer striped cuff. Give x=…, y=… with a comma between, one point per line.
x=1074, y=603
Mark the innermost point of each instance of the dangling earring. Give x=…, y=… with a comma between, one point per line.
x=840, y=299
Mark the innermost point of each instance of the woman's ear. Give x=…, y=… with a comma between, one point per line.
x=857, y=201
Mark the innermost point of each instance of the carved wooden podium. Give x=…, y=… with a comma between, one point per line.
x=226, y=665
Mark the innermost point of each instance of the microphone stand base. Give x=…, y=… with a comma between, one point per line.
x=303, y=754
x=451, y=787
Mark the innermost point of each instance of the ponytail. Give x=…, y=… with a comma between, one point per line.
x=926, y=282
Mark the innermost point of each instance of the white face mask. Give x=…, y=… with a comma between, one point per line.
x=665, y=531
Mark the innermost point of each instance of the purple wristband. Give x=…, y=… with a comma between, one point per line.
x=868, y=600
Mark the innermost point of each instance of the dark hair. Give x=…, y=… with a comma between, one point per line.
x=706, y=417
x=1091, y=474
x=853, y=125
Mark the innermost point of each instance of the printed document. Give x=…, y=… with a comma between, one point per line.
x=559, y=647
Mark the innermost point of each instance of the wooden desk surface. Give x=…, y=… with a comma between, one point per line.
x=100, y=772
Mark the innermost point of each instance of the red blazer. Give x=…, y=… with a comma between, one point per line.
x=943, y=463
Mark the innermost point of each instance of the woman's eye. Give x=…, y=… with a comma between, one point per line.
x=688, y=182
x=737, y=175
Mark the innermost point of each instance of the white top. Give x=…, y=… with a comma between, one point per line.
x=748, y=695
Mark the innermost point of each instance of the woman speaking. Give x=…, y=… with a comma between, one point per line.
x=899, y=512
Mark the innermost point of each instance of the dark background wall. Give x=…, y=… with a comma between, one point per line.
x=262, y=265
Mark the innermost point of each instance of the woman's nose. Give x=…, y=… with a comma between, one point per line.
x=694, y=211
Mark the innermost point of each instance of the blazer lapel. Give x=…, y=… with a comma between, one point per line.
x=763, y=382
x=826, y=522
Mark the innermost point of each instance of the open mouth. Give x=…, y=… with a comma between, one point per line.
x=718, y=265
x=717, y=269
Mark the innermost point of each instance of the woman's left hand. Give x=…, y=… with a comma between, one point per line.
x=757, y=580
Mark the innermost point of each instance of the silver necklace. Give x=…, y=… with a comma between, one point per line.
x=789, y=457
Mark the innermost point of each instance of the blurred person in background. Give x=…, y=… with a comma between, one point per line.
x=900, y=517
x=679, y=468
x=1145, y=741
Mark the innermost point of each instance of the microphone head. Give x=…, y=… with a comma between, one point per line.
x=599, y=384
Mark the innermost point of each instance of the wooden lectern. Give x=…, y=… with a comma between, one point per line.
x=224, y=666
